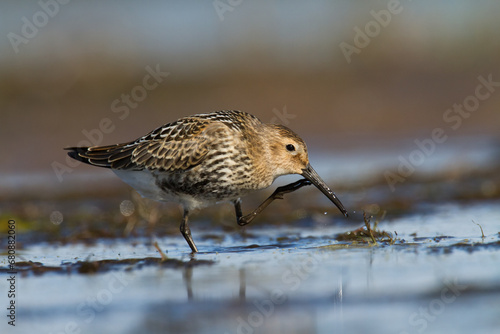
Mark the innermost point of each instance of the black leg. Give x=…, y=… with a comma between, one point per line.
x=277, y=194
x=186, y=232
x=237, y=209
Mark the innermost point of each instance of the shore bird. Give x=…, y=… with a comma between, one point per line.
x=203, y=159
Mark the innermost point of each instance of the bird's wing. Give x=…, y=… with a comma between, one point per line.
x=175, y=146
x=170, y=155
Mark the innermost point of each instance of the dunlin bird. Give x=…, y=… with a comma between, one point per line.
x=203, y=159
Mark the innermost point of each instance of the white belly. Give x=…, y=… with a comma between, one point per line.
x=145, y=183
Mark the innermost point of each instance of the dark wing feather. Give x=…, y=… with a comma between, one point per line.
x=176, y=146
x=112, y=156
x=171, y=155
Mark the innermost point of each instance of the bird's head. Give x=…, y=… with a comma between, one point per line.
x=288, y=153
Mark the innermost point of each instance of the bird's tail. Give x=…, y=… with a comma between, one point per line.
x=112, y=156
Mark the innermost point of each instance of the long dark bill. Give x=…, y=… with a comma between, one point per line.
x=310, y=174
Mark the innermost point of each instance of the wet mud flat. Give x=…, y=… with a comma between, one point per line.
x=397, y=265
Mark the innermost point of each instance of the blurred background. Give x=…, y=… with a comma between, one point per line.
x=358, y=80
x=398, y=103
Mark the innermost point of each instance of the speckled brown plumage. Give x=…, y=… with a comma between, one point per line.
x=203, y=159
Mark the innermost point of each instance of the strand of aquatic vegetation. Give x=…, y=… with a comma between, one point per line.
x=368, y=234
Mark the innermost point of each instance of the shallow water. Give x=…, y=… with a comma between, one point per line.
x=86, y=261
x=438, y=275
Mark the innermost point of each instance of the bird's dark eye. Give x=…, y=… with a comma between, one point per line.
x=290, y=147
